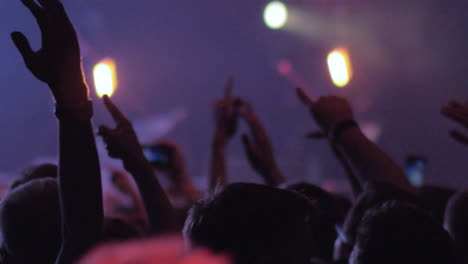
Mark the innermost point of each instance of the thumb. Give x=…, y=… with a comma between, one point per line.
x=105, y=132
x=23, y=46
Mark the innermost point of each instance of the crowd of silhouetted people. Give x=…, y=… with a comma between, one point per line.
x=55, y=213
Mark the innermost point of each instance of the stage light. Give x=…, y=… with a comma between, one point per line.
x=339, y=66
x=105, y=77
x=275, y=15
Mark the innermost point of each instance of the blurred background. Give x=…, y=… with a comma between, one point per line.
x=408, y=58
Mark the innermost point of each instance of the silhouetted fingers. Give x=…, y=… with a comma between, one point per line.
x=303, y=97
x=459, y=136
x=118, y=117
x=316, y=135
x=105, y=132
x=455, y=105
x=244, y=108
x=23, y=46
x=49, y=3
x=35, y=9
x=107, y=135
x=455, y=115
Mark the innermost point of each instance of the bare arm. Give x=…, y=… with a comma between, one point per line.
x=121, y=181
x=258, y=147
x=80, y=189
x=122, y=143
x=58, y=64
x=356, y=187
x=226, y=125
x=371, y=163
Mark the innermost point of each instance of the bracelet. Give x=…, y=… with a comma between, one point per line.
x=82, y=111
x=340, y=128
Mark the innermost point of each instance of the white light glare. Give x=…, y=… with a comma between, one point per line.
x=275, y=15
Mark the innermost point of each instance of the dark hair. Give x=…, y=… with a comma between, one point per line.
x=30, y=222
x=255, y=224
x=372, y=196
x=399, y=232
x=456, y=221
x=435, y=199
x=35, y=172
x=327, y=215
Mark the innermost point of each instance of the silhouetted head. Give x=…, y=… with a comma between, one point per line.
x=327, y=215
x=456, y=221
x=398, y=232
x=255, y=224
x=41, y=171
x=372, y=196
x=435, y=199
x=30, y=222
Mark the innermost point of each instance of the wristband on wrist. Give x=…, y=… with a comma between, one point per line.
x=82, y=111
x=341, y=127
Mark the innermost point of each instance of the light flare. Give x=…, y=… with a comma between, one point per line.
x=275, y=15
x=339, y=66
x=105, y=77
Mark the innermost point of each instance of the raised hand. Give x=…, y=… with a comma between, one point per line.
x=459, y=113
x=258, y=146
x=373, y=166
x=225, y=127
x=122, y=142
x=328, y=111
x=58, y=61
x=225, y=114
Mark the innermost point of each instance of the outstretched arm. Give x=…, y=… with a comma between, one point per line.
x=121, y=181
x=258, y=147
x=122, y=143
x=335, y=117
x=226, y=126
x=356, y=187
x=58, y=64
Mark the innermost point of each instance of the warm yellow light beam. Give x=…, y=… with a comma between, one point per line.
x=275, y=15
x=340, y=67
x=105, y=77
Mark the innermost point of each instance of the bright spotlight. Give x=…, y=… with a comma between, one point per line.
x=105, y=77
x=339, y=66
x=275, y=15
